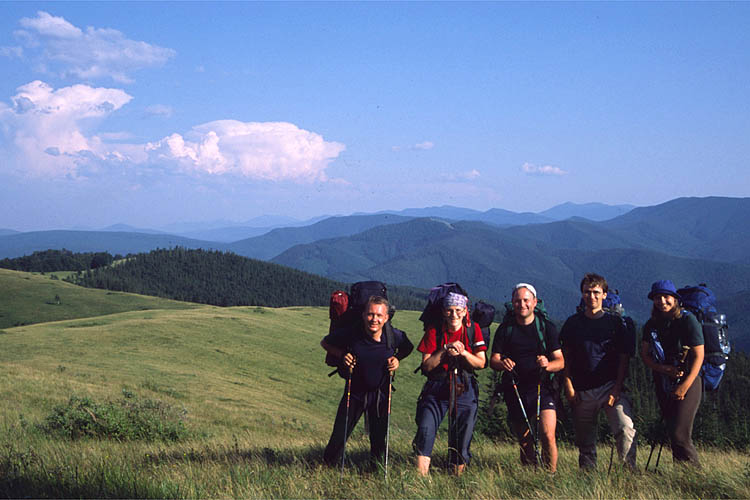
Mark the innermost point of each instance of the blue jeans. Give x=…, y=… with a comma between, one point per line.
x=432, y=407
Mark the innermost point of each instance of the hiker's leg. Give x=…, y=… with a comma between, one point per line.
x=620, y=418
x=549, y=444
x=681, y=428
x=431, y=410
x=518, y=424
x=335, y=446
x=584, y=419
x=467, y=405
x=377, y=413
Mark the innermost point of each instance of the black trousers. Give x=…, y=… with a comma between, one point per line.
x=375, y=403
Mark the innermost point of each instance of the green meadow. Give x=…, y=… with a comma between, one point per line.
x=250, y=386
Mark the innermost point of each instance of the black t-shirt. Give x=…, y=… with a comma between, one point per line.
x=675, y=333
x=370, y=371
x=592, y=349
x=521, y=343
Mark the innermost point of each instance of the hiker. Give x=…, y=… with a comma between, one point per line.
x=449, y=358
x=597, y=356
x=368, y=362
x=526, y=347
x=678, y=386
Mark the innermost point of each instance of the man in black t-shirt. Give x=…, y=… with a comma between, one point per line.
x=527, y=348
x=365, y=350
x=595, y=346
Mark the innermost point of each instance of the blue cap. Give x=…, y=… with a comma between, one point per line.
x=664, y=287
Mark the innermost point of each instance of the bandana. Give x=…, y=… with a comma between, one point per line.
x=455, y=300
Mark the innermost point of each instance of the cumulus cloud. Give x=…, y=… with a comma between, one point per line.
x=45, y=129
x=469, y=175
x=58, y=47
x=276, y=151
x=531, y=169
x=48, y=132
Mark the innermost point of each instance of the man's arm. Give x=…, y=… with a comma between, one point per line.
x=339, y=353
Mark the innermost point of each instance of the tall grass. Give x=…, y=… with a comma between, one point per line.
x=251, y=385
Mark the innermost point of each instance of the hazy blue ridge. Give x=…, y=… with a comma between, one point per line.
x=6, y=232
x=17, y=245
x=278, y=240
x=591, y=211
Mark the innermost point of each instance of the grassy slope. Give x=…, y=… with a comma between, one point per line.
x=254, y=386
x=27, y=298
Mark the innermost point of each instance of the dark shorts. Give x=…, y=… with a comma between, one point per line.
x=516, y=420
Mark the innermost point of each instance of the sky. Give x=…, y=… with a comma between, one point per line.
x=151, y=113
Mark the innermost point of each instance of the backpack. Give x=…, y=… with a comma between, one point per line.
x=483, y=315
x=337, y=307
x=701, y=302
x=505, y=330
x=345, y=310
x=432, y=315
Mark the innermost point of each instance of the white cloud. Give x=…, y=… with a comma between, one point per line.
x=531, y=169
x=423, y=146
x=58, y=47
x=45, y=129
x=276, y=151
x=159, y=110
x=48, y=132
x=469, y=175
x=420, y=146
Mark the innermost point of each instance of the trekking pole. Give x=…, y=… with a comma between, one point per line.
x=538, y=414
x=611, y=456
x=346, y=419
x=523, y=411
x=451, y=407
x=388, y=420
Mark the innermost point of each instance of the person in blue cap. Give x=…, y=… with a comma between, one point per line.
x=670, y=332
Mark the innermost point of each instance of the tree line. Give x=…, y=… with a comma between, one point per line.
x=222, y=279
x=46, y=261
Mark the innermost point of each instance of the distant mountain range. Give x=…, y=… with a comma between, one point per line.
x=688, y=240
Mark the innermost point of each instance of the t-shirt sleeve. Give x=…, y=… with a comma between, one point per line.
x=693, y=331
x=428, y=344
x=497, y=342
x=479, y=344
x=404, y=347
x=567, y=330
x=553, y=338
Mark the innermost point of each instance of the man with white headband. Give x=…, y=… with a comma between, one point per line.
x=449, y=357
x=527, y=349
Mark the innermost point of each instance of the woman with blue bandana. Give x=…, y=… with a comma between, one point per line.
x=449, y=357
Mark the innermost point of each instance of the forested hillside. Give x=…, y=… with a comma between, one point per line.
x=58, y=260
x=223, y=279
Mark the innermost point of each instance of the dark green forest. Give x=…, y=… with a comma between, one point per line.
x=58, y=260
x=223, y=279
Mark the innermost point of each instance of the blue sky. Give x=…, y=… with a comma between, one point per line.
x=150, y=113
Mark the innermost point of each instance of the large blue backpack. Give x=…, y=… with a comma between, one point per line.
x=701, y=301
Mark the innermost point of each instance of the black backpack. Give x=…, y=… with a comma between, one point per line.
x=483, y=315
x=356, y=299
x=701, y=302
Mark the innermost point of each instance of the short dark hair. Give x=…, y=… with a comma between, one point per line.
x=591, y=280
